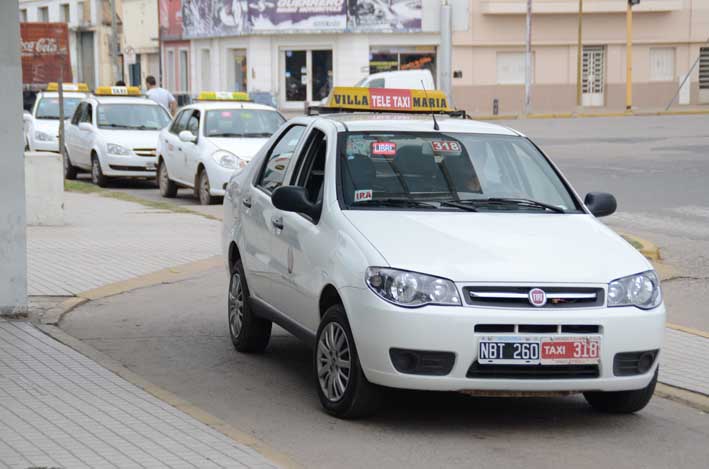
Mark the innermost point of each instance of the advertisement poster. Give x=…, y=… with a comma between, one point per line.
x=45, y=53
x=297, y=15
x=171, y=19
x=210, y=18
x=384, y=15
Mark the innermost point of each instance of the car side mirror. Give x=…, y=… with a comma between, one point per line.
x=294, y=199
x=600, y=204
x=86, y=126
x=187, y=136
x=26, y=116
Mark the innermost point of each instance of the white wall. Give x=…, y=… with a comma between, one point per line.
x=44, y=186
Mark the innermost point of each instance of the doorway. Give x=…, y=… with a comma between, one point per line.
x=594, y=67
x=307, y=75
x=238, y=71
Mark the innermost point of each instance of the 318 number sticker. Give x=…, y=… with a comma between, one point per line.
x=445, y=146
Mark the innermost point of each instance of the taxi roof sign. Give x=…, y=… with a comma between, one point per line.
x=223, y=96
x=388, y=99
x=117, y=91
x=80, y=87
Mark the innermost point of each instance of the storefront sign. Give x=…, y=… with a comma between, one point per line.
x=384, y=15
x=297, y=15
x=45, y=53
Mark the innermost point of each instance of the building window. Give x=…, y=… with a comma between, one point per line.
x=23, y=15
x=237, y=72
x=402, y=58
x=662, y=64
x=510, y=68
x=66, y=14
x=170, y=70
x=80, y=12
x=184, y=80
x=43, y=14
x=205, y=64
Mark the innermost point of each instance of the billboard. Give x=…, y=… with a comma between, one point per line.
x=170, y=19
x=213, y=18
x=45, y=53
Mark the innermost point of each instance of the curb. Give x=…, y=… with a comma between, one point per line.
x=688, y=330
x=689, y=398
x=277, y=457
x=646, y=248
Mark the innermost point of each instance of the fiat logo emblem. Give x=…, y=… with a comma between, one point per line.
x=537, y=297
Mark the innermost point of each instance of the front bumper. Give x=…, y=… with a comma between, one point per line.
x=129, y=166
x=379, y=326
x=219, y=177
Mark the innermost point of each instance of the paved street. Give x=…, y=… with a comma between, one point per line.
x=60, y=409
x=179, y=340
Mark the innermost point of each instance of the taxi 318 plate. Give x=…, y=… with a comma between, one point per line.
x=539, y=350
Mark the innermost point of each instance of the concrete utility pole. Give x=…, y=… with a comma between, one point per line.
x=629, y=55
x=445, y=53
x=13, y=240
x=579, y=59
x=114, y=44
x=528, y=62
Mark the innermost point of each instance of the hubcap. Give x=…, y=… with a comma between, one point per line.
x=204, y=187
x=333, y=361
x=94, y=171
x=236, y=305
x=163, y=176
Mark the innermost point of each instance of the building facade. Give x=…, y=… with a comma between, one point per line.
x=140, y=45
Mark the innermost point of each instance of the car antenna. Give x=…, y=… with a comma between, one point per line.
x=433, y=114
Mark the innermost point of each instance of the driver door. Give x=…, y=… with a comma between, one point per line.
x=190, y=150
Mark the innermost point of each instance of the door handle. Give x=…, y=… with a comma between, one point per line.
x=246, y=202
x=277, y=222
x=179, y=148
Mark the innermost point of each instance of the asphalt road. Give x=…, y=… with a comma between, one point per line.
x=658, y=169
x=176, y=336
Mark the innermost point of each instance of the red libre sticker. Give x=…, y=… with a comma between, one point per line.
x=384, y=148
x=390, y=98
x=445, y=146
x=226, y=113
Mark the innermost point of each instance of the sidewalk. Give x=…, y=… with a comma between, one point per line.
x=60, y=409
x=106, y=240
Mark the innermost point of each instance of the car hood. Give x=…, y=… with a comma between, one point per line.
x=244, y=148
x=132, y=138
x=497, y=247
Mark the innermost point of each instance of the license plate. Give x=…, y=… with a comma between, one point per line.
x=535, y=350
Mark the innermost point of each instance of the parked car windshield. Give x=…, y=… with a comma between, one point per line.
x=242, y=123
x=48, y=108
x=132, y=116
x=474, y=172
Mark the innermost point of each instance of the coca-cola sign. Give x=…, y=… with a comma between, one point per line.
x=45, y=53
x=42, y=46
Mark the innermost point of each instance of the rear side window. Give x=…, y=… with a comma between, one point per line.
x=274, y=170
x=77, y=114
x=180, y=123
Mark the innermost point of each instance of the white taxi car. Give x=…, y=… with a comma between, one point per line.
x=444, y=254
x=113, y=134
x=42, y=124
x=207, y=141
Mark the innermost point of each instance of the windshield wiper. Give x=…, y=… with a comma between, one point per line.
x=391, y=202
x=257, y=135
x=225, y=134
x=116, y=126
x=458, y=204
x=516, y=201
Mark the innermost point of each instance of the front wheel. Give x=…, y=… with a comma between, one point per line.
x=249, y=333
x=70, y=170
x=622, y=402
x=167, y=187
x=203, y=189
x=342, y=387
x=97, y=176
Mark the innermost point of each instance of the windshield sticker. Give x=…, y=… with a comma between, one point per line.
x=226, y=114
x=445, y=146
x=384, y=148
x=363, y=195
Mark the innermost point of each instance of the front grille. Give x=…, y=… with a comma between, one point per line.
x=537, y=328
x=518, y=297
x=633, y=363
x=148, y=152
x=116, y=167
x=484, y=371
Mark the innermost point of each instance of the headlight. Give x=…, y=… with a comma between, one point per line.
x=641, y=290
x=115, y=149
x=411, y=289
x=43, y=136
x=228, y=160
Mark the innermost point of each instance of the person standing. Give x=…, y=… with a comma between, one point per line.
x=160, y=95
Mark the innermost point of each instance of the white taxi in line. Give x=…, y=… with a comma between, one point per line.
x=207, y=141
x=42, y=124
x=113, y=134
x=442, y=254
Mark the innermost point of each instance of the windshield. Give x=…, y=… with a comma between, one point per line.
x=132, y=116
x=473, y=172
x=48, y=108
x=242, y=123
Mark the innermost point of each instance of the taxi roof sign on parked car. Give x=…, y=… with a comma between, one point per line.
x=80, y=87
x=117, y=91
x=223, y=96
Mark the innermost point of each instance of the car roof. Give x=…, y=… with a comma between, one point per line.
x=207, y=105
x=67, y=94
x=123, y=100
x=370, y=121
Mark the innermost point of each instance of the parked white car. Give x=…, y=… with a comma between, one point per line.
x=450, y=255
x=113, y=134
x=42, y=124
x=207, y=141
x=402, y=79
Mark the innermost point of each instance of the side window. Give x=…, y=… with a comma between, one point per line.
x=193, y=123
x=274, y=170
x=175, y=127
x=376, y=83
x=77, y=113
x=86, y=115
x=311, y=165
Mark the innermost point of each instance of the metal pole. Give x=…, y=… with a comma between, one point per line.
x=445, y=53
x=528, y=62
x=579, y=59
x=61, y=110
x=114, y=44
x=629, y=57
x=686, y=77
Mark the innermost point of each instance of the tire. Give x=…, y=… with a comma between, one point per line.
x=622, y=402
x=355, y=397
x=70, y=170
x=97, y=176
x=202, y=189
x=168, y=187
x=249, y=333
